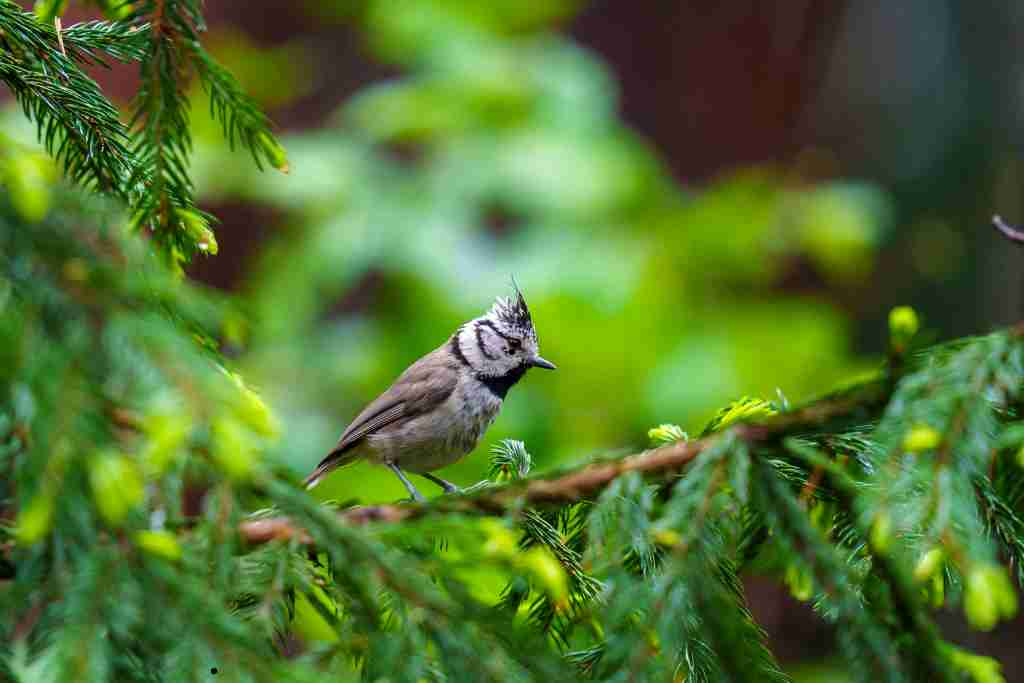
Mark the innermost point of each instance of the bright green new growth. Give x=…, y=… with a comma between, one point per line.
x=134, y=458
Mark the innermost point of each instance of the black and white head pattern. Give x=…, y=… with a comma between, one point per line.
x=501, y=345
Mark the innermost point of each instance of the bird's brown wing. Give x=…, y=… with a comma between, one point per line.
x=421, y=388
x=368, y=424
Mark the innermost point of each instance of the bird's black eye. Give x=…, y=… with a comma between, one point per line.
x=513, y=347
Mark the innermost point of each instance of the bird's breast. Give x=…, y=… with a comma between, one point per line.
x=476, y=410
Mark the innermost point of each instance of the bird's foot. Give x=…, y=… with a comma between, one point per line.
x=446, y=485
x=417, y=497
x=414, y=497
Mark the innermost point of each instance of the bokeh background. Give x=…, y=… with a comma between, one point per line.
x=700, y=200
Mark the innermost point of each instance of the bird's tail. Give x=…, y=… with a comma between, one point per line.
x=332, y=462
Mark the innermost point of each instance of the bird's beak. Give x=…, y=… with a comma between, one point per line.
x=539, y=362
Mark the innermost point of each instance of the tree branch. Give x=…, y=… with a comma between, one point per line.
x=1010, y=232
x=588, y=480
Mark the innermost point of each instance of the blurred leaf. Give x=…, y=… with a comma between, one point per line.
x=840, y=227
x=404, y=31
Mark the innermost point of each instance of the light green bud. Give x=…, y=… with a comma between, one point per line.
x=275, y=152
x=167, y=434
x=921, y=438
x=161, y=544
x=800, y=584
x=820, y=515
x=501, y=542
x=198, y=228
x=668, y=538
x=929, y=563
x=116, y=486
x=548, y=572
x=903, y=323
x=981, y=669
x=1006, y=596
x=881, y=533
x=251, y=409
x=938, y=592
x=666, y=434
x=744, y=409
x=28, y=178
x=988, y=596
x=232, y=449
x=117, y=10
x=35, y=519
x=980, y=604
x=47, y=10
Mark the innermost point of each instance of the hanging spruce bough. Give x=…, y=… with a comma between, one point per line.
x=78, y=125
x=163, y=142
x=146, y=164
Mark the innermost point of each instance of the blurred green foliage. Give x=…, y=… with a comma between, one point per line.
x=498, y=151
x=821, y=673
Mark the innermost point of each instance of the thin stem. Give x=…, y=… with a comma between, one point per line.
x=1010, y=232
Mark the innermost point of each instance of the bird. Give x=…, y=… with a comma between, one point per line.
x=436, y=412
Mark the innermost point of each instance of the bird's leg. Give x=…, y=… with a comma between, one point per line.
x=446, y=485
x=416, y=495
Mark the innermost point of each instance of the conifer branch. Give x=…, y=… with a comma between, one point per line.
x=240, y=117
x=1009, y=231
x=80, y=127
x=163, y=139
x=76, y=123
x=585, y=481
x=89, y=41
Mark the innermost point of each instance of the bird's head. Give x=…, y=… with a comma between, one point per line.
x=503, y=341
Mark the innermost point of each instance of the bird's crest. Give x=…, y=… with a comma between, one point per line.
x=512, y=311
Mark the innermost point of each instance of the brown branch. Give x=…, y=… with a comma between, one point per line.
x=1009, y=231
x=60, y=36
x=588, y=480
x=272, y=529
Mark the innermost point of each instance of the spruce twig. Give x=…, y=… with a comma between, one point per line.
x=1009, y=231
x=75, y=122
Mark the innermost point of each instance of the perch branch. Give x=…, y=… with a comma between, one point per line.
x=1011, y=233
x=585, y=481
